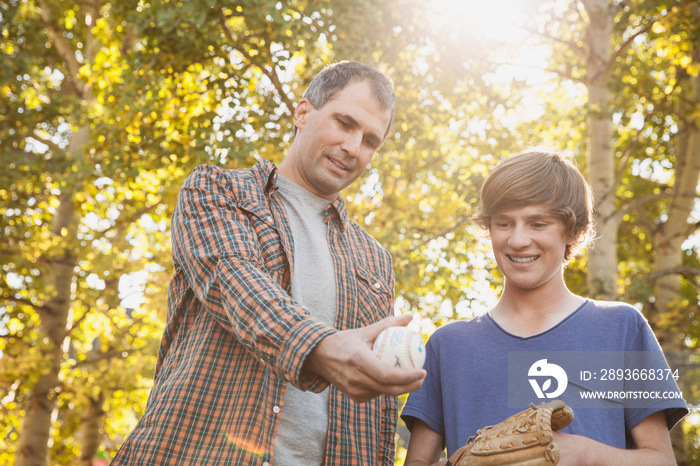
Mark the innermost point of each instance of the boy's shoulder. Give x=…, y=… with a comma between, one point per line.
x=614, y=310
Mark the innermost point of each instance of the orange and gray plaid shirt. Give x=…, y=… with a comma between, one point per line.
x=234, y=335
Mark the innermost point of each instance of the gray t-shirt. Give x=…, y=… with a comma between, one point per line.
x=301, y=437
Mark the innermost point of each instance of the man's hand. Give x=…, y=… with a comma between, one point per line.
x=345, y=359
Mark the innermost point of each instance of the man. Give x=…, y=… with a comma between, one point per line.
x=276, y=300
x=536, y=208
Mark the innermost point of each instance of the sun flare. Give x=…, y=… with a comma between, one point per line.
x=504, y=24
x=496, y=19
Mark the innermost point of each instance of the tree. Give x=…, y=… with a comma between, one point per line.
x=105, y=108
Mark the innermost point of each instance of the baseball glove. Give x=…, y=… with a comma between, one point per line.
x=523, y=439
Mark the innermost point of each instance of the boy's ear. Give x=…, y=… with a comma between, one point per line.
x=574, y=238
x=301, y=113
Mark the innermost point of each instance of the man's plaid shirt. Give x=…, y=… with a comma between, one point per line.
x=234, y=336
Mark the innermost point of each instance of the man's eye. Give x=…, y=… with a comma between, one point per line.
x=370, y=144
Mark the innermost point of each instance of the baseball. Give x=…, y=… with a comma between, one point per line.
x=400, y=347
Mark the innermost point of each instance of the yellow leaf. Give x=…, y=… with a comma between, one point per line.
x=658, y=28
x=69, y=19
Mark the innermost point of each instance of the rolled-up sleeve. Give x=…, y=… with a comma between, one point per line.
x=220, y=248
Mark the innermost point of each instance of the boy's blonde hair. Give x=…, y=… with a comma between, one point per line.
x=543, y=178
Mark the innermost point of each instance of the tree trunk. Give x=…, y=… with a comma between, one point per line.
x=670, y=317
x=602, y=258
x=35, y=437
x=91, y=430
x=36, y=431
x=602, y=269
x=671, y=234
x=93, y=415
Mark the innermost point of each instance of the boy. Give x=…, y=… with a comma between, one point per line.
x=537, y=207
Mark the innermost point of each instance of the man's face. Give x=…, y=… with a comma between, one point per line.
x=334, y=143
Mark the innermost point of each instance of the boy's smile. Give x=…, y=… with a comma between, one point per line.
x=523, y=260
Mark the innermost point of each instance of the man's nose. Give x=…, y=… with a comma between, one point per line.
x=352, y=143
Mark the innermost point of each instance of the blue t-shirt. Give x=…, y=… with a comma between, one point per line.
x=466, y=387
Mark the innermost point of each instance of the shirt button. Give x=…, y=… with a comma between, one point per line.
x=276, y=409
x=377, y=285
x=266, y=463
x=268, y=219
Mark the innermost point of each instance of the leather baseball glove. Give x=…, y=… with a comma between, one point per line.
x=524, y=439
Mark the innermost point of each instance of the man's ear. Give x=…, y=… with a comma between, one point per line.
x=301, y=113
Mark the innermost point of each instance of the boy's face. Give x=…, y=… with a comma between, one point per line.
x=529, y=245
